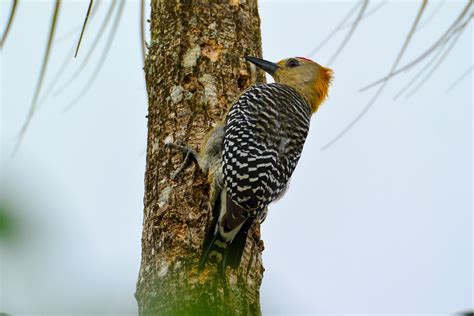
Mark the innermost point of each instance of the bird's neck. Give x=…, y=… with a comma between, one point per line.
x=313, y=95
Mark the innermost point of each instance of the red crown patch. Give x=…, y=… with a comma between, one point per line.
x=304, y=58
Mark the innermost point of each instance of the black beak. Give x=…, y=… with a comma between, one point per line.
x=267, y=66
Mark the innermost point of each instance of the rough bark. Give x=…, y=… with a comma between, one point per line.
x=194, y=71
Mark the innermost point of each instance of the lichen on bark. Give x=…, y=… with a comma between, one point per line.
x=194, y=71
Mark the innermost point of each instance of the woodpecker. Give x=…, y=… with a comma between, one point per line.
x=250, y=156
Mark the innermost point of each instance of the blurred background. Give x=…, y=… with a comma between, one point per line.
x=379, y=222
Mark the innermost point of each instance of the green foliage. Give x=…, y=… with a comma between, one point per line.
x=7, y=224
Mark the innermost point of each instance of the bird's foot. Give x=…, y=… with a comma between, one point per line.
x=190, y=155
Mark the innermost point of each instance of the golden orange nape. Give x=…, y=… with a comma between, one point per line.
x=308, y=77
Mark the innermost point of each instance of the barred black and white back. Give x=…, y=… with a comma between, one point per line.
x=264, y=134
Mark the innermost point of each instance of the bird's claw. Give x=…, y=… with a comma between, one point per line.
x=189, y=156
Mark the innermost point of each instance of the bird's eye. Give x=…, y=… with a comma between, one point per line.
x=292, y=63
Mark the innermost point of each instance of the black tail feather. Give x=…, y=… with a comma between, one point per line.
x=235, y=250
x=207, y=246
x=211, y=235
x=215, y=248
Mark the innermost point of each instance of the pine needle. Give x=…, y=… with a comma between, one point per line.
x=334, y=31
x=84, y=27
x=436, y=66
x=44, y=66
x=394, y=66
x=65, y=63
x=442, y=39
x=369, y=13
x=433, y=14
x=97, y=40
x=460, y=79
x=58, y=75
x=9, y=23
x=351, y=32
x=74, y=30
x=102, y=59
x=420, y=72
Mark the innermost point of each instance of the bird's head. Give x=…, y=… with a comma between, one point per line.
x=306, y=76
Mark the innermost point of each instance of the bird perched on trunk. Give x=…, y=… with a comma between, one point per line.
x=250, y=156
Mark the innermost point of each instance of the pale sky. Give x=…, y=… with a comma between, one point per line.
x=381, y=222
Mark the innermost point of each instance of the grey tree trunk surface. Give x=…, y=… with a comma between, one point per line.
x=194, y=71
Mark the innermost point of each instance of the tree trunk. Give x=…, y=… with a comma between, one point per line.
x=194, y=71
